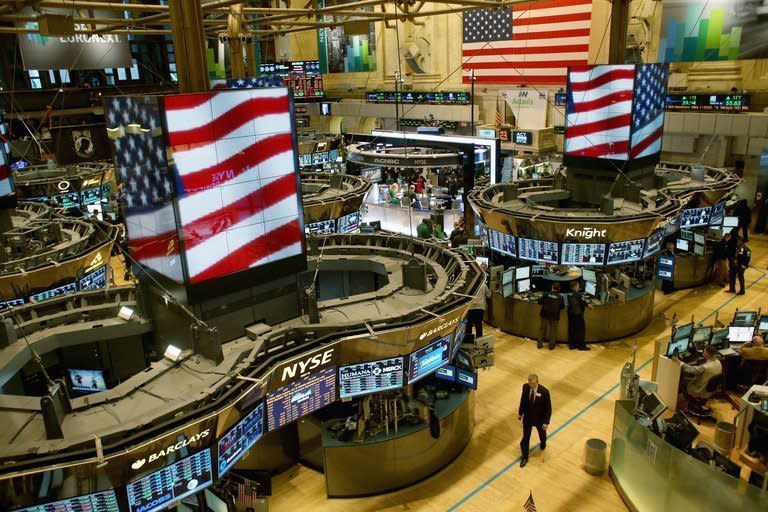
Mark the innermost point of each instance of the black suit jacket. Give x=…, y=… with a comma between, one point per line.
x=538, y=413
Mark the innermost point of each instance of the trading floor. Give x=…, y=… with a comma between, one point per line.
x=583, y=385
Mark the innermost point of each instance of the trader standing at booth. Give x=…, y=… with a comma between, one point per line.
x=535, y=411
x=741, y=262
x=576, y=325
x=549, y=316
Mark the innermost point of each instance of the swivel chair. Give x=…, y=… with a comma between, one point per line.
x=697, y=406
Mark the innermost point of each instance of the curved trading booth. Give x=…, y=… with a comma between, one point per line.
x=332, y=202
x=383, y=313
x=77, y=185
x=559, y=230
x=319, y=151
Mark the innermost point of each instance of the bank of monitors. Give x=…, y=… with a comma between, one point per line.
x=583, y=254
x=740, y=334
x=538, y=250
x=693, y=217
x=54, y=292
x=172, y=483
x=349, y=223
x=682, y=245
x=87, y=381
x=653, y=245
x=104, y=501
x=429, y=358
x=502, y=242
x=240, y=438
x=302, y=397
x=625, y=252
x=716, y=217
x=324, y=227
x=370, y=377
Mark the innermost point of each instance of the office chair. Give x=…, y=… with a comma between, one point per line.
x=697, y=406
x=754, y=371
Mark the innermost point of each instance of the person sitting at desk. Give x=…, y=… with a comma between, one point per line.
x=755, y=350
x=411, y=195
x=700, y=374
x=425, y=229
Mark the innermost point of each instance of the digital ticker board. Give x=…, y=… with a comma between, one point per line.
x=300, y=398
x=240, y=438
x=370, y=377
x=429, y=358
x=104, y=501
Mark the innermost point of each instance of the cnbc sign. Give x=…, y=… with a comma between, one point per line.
x=80, y=50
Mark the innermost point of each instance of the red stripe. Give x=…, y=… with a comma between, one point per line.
x=558, y=18
x=518, y=79
x=185, y=101
x=253, y=251
x=237, y=164
x=4, y=172
x=532, y=6
x=164, y=244
x=653, y=137
x=228, y=122
x=529, y=50
x=598, y=126
x=550, y=34
x=610, y=76
x=600, y=150
x=203, y=228
x=522, y=65
x=604, y=101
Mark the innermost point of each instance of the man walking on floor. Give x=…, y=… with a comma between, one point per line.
x=535, y=411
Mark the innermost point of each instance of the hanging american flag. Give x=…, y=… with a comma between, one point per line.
x=498, y=113
x=529, y=43
x=615, y=112
x=236, y=179
x=134, y=124
x=530, y=506
x=254, y=82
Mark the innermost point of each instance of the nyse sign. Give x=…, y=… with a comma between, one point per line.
x=304, y=364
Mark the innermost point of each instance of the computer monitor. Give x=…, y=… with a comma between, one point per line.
x=693, y=217
x=508, y=289
x=680, y=348
x=508, y=276
x=590, y=288
x=650, y=405
x=522, y=272
x=740, y=334
x=686, y=234
x=523, y=285
x=730, y=222
x=626, y=251
x=698, y=238
x=684, y=331
x=589, y=275
x=446, y=373
x=698, y=250
x=719, y=339
x=744, y=318
x=702, y=336
x=763, y=325
x=682, y=245
x=680, y=431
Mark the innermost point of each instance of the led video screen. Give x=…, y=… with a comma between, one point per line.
x=429, y=358
x=172, y=483
x=625, y=252
x=302, y=397
x=94, y=280
x=349, y=223
x=371, y=377
x=324, y=227
x=538, y=250
x=240, y=438
x=653, y=245
x=502, y=242
x=104, y=501
x=54, y=292
x=718, y=212
x=87, y=381
x=693, y=217
x=583, y=254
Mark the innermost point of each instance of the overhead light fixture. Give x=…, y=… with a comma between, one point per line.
x=172, y=353
x=125, y=313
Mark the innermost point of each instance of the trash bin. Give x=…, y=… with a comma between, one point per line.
x=595, y=456
x=725, y=436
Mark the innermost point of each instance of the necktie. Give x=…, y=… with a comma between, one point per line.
x=533, y=395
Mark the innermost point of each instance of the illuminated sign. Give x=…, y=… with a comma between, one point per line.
x=139, y=463
x=302, y=366
x=585, y=233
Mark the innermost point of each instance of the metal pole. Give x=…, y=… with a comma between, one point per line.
x=472, y=103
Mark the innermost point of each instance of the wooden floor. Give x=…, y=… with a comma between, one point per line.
x=486, y=477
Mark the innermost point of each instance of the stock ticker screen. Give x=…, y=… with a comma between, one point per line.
x=429, y=358
x=305, y=396
x=240, y=438
x=371, y=377
x=172, y=483
x=104, y=501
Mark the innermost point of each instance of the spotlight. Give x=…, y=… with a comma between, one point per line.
x=172, y=353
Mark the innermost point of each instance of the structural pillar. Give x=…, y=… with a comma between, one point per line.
x=250, y=58
x=189, y=45
x=5, y=220
x=617, y=50
x=235, y=26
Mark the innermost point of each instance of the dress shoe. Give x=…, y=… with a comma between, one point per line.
x=584, y=347
x=551, y=346
x=539, y=344
x=740, y=293
x=543, y=447
x=523, y=462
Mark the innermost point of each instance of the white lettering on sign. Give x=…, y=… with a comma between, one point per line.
x=137, y=464
x=437, y=329
x=586, y=233
x=89, y=38
x=310, y=363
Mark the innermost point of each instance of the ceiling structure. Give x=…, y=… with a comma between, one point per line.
x=271, y=18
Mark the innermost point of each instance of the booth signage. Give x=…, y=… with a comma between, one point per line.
x=486, y=133
x=376, y=159
x=524, y=138
x=586, y=233
x=139, y=463
x=303, y=365
x=528, y=106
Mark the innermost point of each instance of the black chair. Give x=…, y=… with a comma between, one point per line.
x=754, y=371
x=697, y=406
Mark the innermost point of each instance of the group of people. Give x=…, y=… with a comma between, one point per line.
x=730, y=259
x=552, y=303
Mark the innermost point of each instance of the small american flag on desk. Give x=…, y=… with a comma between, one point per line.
x=528, y=43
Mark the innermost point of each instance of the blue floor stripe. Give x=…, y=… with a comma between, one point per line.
x=573, y=418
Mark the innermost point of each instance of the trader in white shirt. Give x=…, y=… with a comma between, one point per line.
x=701, y=373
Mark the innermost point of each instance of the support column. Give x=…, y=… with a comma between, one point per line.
x=617, y=52
x=235, y=25
x=250, y=58
x=189, y=45
x=5, y=220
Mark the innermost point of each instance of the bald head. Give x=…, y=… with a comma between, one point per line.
x=758, y=341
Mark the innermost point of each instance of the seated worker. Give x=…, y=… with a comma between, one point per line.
x=700, y=374
x=425, y=229
x=755, y=350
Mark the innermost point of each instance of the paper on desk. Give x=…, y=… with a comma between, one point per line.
x=727, y=352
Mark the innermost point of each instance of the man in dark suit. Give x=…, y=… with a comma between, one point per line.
x=535, y=411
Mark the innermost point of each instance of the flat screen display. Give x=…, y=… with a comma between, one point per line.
x=372, y=174
x=698, y=250
x=590, y=288
x=508, y=289
x=508, y=276
x=11, y=303
x=763, y=323
x=94, y=280
x=349, y=223
x=740, y=334
x=583, y=254
x=54, y=292
x=702, y=334
x=653, y=245
x=88, y=381
x=240, y=438
x=684, y=331
x=686, y=234
x=91, y=195
x=324, y=227
x=429, y=358
x=172, y=483
x=302, y=397
x=104, y=501
x=716, y=218
x=538, y=250
x=625, y=252
x=523, y=138
x=699, y=238
x=678, y=346
x=744, y=318
x=466, y=378
x=446, y=373
x=371, y=377
x=730, y=222
x=522, y=272
x=693, y=217
x=502, y=242
x=560, y=98
x=682, y=245
x=523, y=285
x=67, y=200
x=589, y=275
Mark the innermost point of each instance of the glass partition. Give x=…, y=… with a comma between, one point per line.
x=654, y=475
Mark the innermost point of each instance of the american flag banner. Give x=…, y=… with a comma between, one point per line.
x=615, y=112
x=255, y=82
x=236, y=174
x=530, y=506
x=528, y=43
x=135, y=126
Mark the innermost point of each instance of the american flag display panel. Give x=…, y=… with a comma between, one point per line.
x=7, y=189
x=615, y=113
